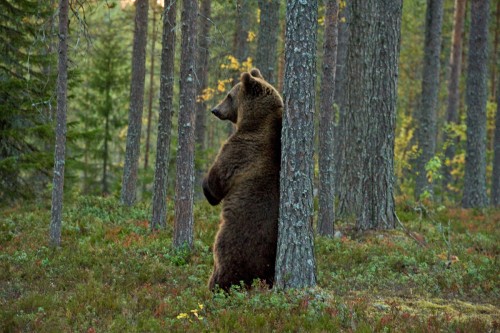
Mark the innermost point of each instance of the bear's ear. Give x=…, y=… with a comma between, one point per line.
x=251, y=85
x=256, y=73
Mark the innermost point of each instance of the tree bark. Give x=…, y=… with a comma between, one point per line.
x=129, y=183
x=476, y=97
x=159, y=216
x=295, y=262
x=202, y=70
x=453, y=89
x=183, y=223
x=494, y=63
x=326, y=193
x=151, y=89
x=495, y=177
x=426, y=116
x=60, y=147
x=267, y=41
x=372, y=68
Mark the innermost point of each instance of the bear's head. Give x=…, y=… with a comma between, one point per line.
x=252, y=100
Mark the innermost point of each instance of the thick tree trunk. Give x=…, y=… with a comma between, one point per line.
x=495, y=177
x=129, y=183
x=326, y=194
x=184, y=190
x=426, y=116
x=453, y=89
x=372, y=68
x=476, y=97
x=295, y=262
x=60, y=147
x=268, y=39
x=158, y=219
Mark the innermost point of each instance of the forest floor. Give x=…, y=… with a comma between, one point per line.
x=112, y=275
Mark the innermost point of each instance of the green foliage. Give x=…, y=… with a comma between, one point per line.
x=113, y=274
x=27, y=101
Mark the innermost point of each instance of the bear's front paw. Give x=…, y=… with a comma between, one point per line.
x=208, y=194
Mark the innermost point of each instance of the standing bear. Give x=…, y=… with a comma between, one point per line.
x=245, y=177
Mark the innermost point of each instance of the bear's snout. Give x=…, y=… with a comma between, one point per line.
x=216, y=113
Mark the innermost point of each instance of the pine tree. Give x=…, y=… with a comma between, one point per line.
x=184, y=184
x=295, y=262
x=129, y=183
x=159, y=216
x=476, y=98
x=326, y=193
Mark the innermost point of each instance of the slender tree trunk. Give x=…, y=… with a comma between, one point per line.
x=295, y=262
x=202, y=75
x=184, y=190
x=105, y=189
x=495, y=177
x=453, y=89
x=426, y=116
x=242, y=27
x=159, y=216
x=267, y=41
x=372, y=68
x=281, y=63
x=60, y=147
x=129, y=184
x=476, y=97
x=494, y=63
x=326, y=215
x=202, y=70
x=340, y=135
x=151, y=89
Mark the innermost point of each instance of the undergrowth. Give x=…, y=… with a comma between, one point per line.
x=112, y=274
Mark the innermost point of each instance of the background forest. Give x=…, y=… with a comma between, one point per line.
x=436, y=272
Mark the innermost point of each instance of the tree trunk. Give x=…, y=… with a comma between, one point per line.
x=202, y=69
x=60, y=147
x=151, y=89
x=295, y=262
x=372, y=68
x=453, y=89
x=340, y=135
x=129, y=184
x=183, y=224
x=105, y=189
x=202, y=75
x=476, y=97
x=494, y=63
x=267, y=41
x=495, y=177
x=159, y=216
x=426, y=117
x=326, y=215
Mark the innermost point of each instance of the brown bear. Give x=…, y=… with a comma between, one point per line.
x=245, y=177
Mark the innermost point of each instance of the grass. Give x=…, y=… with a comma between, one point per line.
x=112, y=275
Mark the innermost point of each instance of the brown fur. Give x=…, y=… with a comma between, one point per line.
x=245, y=177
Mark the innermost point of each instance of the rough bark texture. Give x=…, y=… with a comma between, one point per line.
x=242, y=26
x=453, y=87
x=372, y=68
x=184, y=184
x=202, y=70
x=267, y=41
x=129, y=183
x=340, y=134
x=426, y=117
x=60, y=147
x=158, y=219
x=494, y=63
x=476, y=97
x=326, y=194
x=495, y=177
x=151, y=90
x=295, y=262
